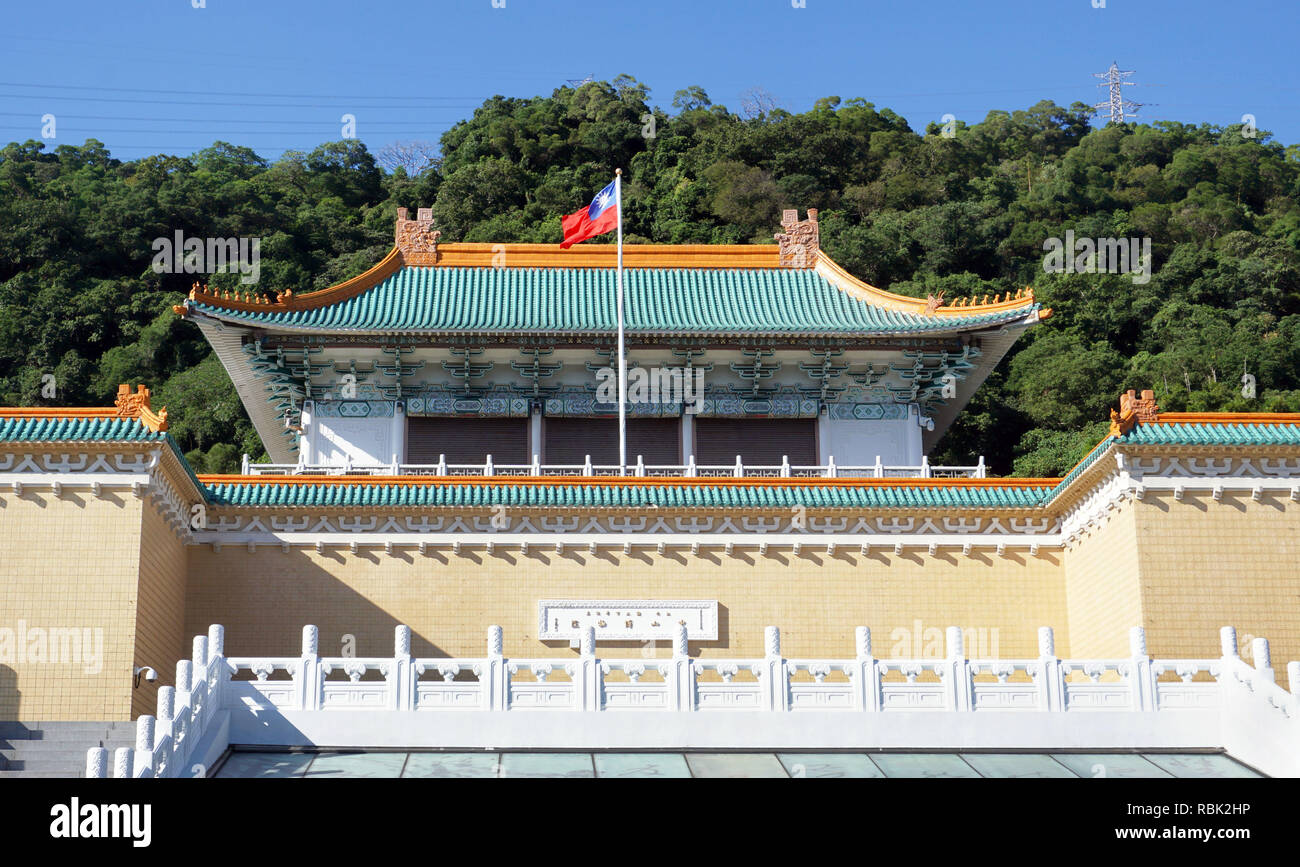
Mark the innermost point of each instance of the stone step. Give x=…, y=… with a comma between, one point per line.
x=67, y=763
x=65, y=730
x=32, y=775
x=17, y=749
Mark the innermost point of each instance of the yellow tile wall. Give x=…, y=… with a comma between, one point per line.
x=70, y=563
x=264, y=598
x=1207, y=564
x=1102, y=588
x=160, y=638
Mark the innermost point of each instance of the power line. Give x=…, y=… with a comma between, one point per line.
x=209, y=92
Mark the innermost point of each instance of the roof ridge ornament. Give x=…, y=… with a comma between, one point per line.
x=1132, y=410
x=417, y=236
x=800, y=242
x=136, y=405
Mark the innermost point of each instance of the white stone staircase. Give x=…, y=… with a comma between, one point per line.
x=56, y=749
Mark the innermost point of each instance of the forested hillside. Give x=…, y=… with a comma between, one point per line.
x=910, y=211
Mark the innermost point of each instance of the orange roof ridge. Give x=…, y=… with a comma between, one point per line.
x=58, y=412
x=129, y=404
x=934, y=305
x=1227, y=418
x=630, y=481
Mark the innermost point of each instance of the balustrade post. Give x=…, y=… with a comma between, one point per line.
x=589, y=680
x=184, y=670
x=1293, y=677
x=739, y=470
x=166, y=728
x=442, y=465
x=981, y=471
x=879, y=470
x=866, y=672
x=776, y=683
x=1142, y=682
x=785, y=466
x=639, y=472
x=536, y=468
x=308, y=673
x=831, y=472
x=182, y=705
x=691, y=471
x=96, y=763
x=217, y=651
x=199, y=656
x=925, y=466
x=144, y=744
x=1262, y=659
x=1051, y=686
x=495, y=672
x=489, y=469
x=586, y=466
x=243, y=465
x=122, y=767
x=957, y=672
x=682, y=686
x=402, y=687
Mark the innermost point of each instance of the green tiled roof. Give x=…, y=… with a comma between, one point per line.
x=1079, y=468
x=583, y=300
x=622, y=496
x=1214, y=434
x=74, y=429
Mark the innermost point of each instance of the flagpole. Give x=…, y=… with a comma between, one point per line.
x=622, y=360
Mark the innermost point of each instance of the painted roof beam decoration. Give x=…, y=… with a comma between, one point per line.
x=535, y=370
x=825, y=371
x=755, y=372
x=398, y=370
x=467, y=371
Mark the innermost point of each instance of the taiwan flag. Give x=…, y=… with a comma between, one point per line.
x=597, y=218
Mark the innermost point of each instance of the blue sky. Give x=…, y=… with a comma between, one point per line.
x=148, y=76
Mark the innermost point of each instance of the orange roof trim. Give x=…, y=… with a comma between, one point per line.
x=1265, y=418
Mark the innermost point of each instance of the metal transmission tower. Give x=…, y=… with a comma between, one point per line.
x=1117, y=105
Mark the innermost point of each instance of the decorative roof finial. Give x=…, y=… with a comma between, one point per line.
x=136, y=405
x=800, y=241
x=416, y=236
x=1133, y=409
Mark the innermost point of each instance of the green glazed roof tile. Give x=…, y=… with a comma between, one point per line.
x=583, y=300
x=76, y=429
x=1228, y=434
x=618, y=496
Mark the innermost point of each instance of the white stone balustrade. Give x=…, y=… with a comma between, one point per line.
x=211, y=687
x=690, y=469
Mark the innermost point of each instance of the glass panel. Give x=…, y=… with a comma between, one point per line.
x=357, y=765
x=641, y=765
x=1016, y=765
x=1200, y=765
x=828, y=765
x=246, y=765
x=452, y=765
x=1117, y=765
x=735, y=765
x=923, y=765
x=546, y=765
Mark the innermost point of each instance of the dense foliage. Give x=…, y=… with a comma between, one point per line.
x=965, y=213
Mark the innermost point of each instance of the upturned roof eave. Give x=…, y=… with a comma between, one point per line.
x=242, y=321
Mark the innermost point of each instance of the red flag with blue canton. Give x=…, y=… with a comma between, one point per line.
x=599, y=217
